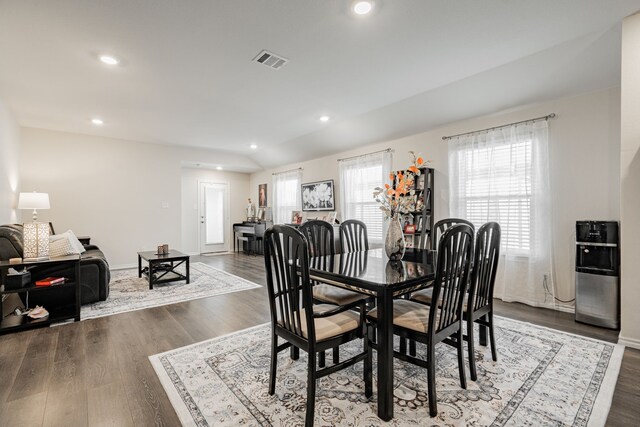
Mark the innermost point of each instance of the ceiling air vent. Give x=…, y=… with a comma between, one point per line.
x=271, y=60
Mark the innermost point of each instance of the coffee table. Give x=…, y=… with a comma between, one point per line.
x=162, y=268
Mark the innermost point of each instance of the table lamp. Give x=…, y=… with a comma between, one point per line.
x=35, y=234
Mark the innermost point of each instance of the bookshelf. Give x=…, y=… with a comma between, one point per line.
x=417, y=224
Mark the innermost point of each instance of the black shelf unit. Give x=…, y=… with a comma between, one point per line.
x=13, y=323
x=422, y=216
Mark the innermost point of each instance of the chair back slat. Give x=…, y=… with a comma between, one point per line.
x=452, y=274
x=286, y=256
x=319, y=235
x=443, y=225
x=485, y=266
x=353, y=236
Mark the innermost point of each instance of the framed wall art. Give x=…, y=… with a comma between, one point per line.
x=318, y=196
x=262, y=195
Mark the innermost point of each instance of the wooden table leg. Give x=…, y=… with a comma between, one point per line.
x=187, y=268
x=139, y=266
x=150, y=274
x=385, y=356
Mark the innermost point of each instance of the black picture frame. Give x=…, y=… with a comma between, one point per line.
x=318, y=196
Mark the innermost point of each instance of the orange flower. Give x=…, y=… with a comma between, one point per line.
x=413, y=169
x=390, y=191
x=387, y=186
x=420, y=161
x=391, y=176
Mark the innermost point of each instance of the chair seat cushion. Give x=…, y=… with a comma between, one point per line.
x=335, y=295
x=408, y=314
x=426, y=295
x=330, y=326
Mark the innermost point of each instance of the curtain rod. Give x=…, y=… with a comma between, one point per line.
x=386, y=150
x=547, y=117
x=290, y=170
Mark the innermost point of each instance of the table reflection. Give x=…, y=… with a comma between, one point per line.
x=374, y=266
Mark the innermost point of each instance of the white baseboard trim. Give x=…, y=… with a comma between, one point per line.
x=557, y=307
x=123, y=266
x=629, y=342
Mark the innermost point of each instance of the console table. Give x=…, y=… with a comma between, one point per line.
x=71, y=310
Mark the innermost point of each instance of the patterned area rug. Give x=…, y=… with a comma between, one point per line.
x=543, y=378
x=127, y=292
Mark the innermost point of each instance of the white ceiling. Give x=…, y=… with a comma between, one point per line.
x=187, y=76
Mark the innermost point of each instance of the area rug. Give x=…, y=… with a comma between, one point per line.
x=128, y=292
x=542, y=377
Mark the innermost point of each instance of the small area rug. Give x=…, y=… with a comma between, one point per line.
x=128, y=292
x=542, y=377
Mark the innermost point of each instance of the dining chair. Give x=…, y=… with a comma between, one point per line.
x=353, y=236
x=319, y=235
x=443, y=225
x=483, y=278
x=300, y=323
x=424, y=296
x=441, y=322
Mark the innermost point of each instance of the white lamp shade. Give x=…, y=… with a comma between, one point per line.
x=33, y=201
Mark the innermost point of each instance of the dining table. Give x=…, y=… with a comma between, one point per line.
x=372, y=273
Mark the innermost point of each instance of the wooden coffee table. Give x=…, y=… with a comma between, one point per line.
x=162, y=268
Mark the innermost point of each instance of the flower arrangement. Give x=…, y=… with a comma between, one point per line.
x=399, y=198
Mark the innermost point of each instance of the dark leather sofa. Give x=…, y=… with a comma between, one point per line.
x=94, y=270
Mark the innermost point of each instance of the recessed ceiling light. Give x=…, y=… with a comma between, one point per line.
x=362, y=7
x=324, y=118
x=109, y=60
x=253, y=146
x=97, y=121
x=219, y=168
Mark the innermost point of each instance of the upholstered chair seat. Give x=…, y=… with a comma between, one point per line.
x=408, y=314
x=335, y=295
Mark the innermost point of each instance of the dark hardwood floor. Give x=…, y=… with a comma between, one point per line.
x=97, y=372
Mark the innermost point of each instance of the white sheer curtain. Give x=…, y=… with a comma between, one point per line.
x=358, y=177
x=286, y=195
x=503, y=176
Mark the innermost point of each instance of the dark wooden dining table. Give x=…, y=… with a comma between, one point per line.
x=372, y=273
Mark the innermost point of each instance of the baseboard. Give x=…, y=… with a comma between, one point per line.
x=123, y=266
x=556, y=306
x=629, y=342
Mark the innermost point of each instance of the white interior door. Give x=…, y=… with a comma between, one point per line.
x=214, y=217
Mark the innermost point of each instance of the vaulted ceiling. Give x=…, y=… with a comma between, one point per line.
x=186, y=75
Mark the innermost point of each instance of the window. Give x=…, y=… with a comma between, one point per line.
x=502, y=175
x=286, y=195
x=498, y=186
x=358, y=177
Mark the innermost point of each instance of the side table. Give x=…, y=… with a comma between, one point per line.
x=71, y=310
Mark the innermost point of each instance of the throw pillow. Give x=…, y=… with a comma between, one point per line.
x=60, y=246
x=79, y=247
x=65, y=244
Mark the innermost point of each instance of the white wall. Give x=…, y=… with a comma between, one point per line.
x=110, y=189
x=630, y=182
x=9, y=157
x=584, y=150
x=238, y=194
